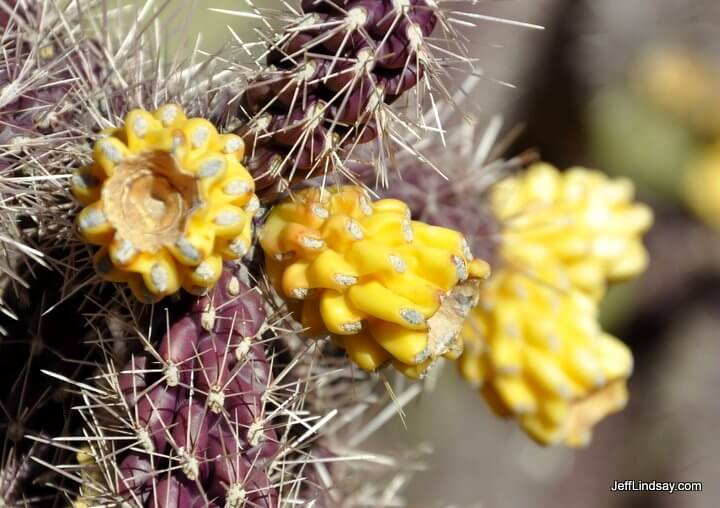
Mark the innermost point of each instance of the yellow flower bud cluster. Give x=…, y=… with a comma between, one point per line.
x=167, y=200
x=580, y=218
x=533, y=344
x=386, y=288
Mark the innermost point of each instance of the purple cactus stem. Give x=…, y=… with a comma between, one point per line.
x=231, y=305
x=213, y=365
x=177, y=492
x=177, y=346
x=350, y=56
x=191, y=437
x=230, y=465
x=345, y=74
x=257, y=94
x=136, y=472
x=156, y=413
x=246, y=422
x=259, y=491
x=5, y=15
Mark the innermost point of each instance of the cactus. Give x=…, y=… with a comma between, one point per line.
x=213, y=416
x=213, y=396
x=36, y=191
x=385, y=287
x=192, y=420
x=34, y=80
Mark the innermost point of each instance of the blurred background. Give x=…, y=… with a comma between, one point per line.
x=632, y=88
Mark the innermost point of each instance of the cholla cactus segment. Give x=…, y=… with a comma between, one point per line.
x=387, y=289
x=189, y=423
x=167, y=200
x=581, y=219
x=538, y=355
x=533, y=343
x=702, y=185
x=328, y=77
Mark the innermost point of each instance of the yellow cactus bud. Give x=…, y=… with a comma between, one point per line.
x=544, y=359
x=167, y=199
x=702, y=186
x=679, y=82
x=387, y=289
x=580, y=218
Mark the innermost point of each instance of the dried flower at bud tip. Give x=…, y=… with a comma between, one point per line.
x=167, y=200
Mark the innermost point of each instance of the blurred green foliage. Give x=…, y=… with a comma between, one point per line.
x=633, y=139
x=188, y=19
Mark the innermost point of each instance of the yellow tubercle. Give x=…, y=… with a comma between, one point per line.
x=364, y=351
x=479, y=269
x=405, y=345
x=371, y=277
x=413, y=371
x=339, y=316
x=167, y=200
